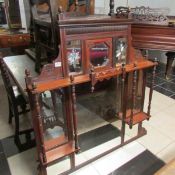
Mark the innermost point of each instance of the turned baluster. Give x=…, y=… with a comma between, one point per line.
x=76, y=6
x=151, y=87
x=39, y=123
x=93, y=79
x=74, y=113
x=133, y=102
x=143, y=90
x=124, y=90
x=111, y=5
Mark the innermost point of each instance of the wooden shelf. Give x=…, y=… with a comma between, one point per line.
x=52, y=143
x=60, y=152
x=137, y=117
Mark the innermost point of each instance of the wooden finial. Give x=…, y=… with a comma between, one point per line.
x=135, y=64
x=123, y=71
x=111, y=5
x=76, y=6
x=156, y=59
x=72, y=78
x=93, y=80
x=27, y=73
x=60, y=9
x=34, y=86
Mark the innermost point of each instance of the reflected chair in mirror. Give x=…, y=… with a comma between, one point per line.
x=54, y=127
x=18, y=106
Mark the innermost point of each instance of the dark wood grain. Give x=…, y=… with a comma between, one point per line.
x=16, y=66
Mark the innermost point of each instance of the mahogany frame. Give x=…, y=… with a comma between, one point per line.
x=53, y=77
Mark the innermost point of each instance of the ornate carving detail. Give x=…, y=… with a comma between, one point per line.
x=50, y=71
x=103, y=75
x=150, y=15
x=122, y=12
x=92, y=29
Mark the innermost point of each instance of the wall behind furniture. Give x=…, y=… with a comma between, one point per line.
x=103, y=5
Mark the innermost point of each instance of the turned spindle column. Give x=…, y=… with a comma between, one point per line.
x=111, y=5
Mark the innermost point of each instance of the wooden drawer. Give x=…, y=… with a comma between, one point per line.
x=14, y=40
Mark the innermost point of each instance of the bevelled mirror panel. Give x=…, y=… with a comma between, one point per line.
x=74, y=56
x=53, y=116
x=120, y=55
x=99, y=54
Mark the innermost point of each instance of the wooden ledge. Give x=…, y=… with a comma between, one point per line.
x=60, y=152
x=137, y=117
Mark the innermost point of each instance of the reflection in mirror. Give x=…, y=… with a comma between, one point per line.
x=120, y=51
x=99, y=54
x=74, y=56
x=53, y=115
x=98, y=125
x=2, y=13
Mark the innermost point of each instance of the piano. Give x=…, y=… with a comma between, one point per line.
x=152, y=29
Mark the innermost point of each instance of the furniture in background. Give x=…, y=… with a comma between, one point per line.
x=96, y=58
x=44, y=19
x=16, y=40
x=18, y=105
x=155, y=37
x=152, y=29
x=16, y=66
x=45, y=35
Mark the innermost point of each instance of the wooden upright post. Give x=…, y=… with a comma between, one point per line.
x=111, y=5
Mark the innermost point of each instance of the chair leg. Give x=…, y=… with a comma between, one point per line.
x=16, y=122
x=10, y=112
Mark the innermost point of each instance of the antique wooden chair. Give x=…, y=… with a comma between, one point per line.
x=44, y=18
x=17, y=103
x=43, y=14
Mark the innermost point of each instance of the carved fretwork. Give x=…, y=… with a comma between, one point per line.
x=122, y=12
x=150, y=15
x=97, y=76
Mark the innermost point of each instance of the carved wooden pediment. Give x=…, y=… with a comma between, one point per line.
x=150, y=15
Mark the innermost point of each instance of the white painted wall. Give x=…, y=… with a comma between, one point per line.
x=25, y=13
x=103, y=5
